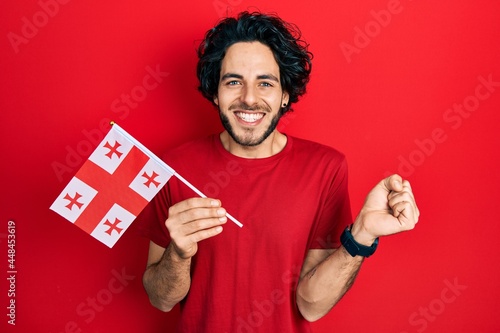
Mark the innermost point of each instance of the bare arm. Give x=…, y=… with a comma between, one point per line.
x=167, y=276
x=327, y=275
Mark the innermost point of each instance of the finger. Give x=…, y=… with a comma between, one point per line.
x=192, y=215
x=186, y=246
x=194, y=226
x=195, y=208
x=405, y=194
x=194, y=203
x=396, y=197
x=407, y=185
x=184, y=235
x=403, y=211
x=205, y=234
x=196, y=214
x=393, y=183
x=407, y=188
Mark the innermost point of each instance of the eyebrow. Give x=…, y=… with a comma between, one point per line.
x=268, y=77
x=259, y=77
x=231, y=76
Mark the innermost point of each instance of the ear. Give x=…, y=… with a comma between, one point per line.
x=216, y=100
x=285, y=98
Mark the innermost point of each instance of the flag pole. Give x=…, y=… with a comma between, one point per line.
x=167, y=167
x=182, y=179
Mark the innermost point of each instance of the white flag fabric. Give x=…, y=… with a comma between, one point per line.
x=112, y=187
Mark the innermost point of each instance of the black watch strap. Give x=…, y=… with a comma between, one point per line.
x=353, y=247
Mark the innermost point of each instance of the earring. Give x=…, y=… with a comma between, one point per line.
x=284, y=105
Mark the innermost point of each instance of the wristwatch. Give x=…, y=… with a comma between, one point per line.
x=353, y=247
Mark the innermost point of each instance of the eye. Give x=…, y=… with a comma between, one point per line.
x=266, y=84
x=232, y=83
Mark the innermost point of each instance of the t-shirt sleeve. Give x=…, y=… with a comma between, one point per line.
x=335, y=213
x=152, y=218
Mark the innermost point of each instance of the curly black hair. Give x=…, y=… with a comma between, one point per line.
x=284, y=40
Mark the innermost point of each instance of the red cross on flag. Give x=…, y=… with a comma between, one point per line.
x=112, y=187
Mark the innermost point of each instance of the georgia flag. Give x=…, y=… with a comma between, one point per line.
x=112, y=187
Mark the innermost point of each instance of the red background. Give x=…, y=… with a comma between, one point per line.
x=385, y=106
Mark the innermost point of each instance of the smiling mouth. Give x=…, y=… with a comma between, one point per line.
x=249, y=117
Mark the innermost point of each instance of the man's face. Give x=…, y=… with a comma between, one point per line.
x=250, y=95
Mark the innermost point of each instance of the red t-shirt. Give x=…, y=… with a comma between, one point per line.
x=244, y=279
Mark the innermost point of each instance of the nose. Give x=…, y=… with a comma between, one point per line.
x=249, y=95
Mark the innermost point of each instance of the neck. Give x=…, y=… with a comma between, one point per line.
x=272, y=145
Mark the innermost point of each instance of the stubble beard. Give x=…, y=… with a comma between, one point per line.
x=248, y=139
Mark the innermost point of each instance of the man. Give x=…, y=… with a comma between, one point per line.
x=285, y=267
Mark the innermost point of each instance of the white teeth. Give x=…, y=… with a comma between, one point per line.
x=249, y=117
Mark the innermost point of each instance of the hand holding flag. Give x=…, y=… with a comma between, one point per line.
x=113, y=186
